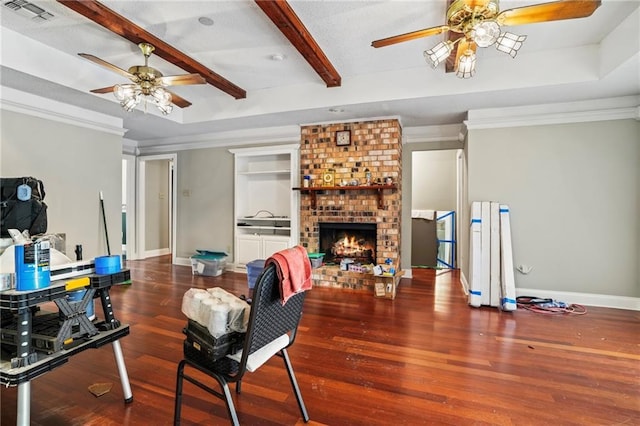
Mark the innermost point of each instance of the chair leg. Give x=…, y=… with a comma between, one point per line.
x=225, y=395
x=239, y=386
x=178, y=400
x=231, y=409
x=294, y=384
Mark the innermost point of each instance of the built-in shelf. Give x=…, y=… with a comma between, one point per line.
x=265, y=172
x=266, y=210
x=378, y=189
x=257, y=225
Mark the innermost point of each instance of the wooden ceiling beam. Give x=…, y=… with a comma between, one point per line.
x=450, y=63
x=283, y=16
x=120, y=25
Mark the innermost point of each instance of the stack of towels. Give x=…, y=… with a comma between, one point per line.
x=217, y=309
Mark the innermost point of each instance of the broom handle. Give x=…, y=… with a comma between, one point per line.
x=104, y=221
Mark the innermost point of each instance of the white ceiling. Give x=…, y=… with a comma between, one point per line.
x=561, y=61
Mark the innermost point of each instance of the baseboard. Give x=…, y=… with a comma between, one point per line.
x=589, y=299
x=157, y=252
x=184, y=261
x=464, y=283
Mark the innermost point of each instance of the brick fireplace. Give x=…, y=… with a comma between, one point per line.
x=376, y=146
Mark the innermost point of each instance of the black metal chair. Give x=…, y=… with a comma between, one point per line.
x=271, y=330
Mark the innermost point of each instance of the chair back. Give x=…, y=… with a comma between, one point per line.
x=269, y=319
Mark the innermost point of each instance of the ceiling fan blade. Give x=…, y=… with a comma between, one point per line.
x=181, y=80
x=555, y=11
x=179, y=101
x=103, y=90
x=410, y=36
x=108, y=65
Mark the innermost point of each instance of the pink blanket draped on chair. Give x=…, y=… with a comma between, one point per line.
x=294, y=271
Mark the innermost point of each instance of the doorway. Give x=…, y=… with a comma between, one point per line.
x=435, y=201
x=156, y=201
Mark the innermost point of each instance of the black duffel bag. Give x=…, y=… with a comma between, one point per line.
x=22, y=206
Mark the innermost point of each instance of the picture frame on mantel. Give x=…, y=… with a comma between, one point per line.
x=343, y=138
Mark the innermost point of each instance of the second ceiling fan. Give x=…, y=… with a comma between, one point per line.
x=477, y=23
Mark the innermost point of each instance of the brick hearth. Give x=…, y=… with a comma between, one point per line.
x=375, y=145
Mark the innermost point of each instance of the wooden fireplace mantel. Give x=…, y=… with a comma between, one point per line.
x=378, y=189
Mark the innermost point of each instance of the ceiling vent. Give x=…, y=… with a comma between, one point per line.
x=28, y=10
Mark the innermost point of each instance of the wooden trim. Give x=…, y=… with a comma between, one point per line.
x=118, y=24
x=283, y=16
x=315, y=189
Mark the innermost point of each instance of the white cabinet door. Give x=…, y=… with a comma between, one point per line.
x=273, y=244
x=249, y=247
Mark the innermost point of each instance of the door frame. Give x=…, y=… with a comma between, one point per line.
x=141, y=209
x=130, y=201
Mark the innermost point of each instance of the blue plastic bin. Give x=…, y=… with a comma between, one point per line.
x=254, y=269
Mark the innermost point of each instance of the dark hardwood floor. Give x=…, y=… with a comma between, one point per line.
x=424, y=358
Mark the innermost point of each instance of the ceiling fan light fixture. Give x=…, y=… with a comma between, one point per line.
x=165, y=109
x=124, y=91
x=485, y=33
x=131, y=102
x=438, y=53
x=510, y=43
x=467, y=65
x=160, y=95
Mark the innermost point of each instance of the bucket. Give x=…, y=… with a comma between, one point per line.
x=75, y=297
x=107, y=264
x=254, y=269
x=32, y=266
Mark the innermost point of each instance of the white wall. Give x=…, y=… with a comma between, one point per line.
x=75, y=163
x=433, y=180
x=574, y=197
x=205, y=201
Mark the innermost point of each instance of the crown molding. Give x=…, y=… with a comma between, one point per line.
x=433, y=134
x=37, y=106
x=130, y=147
x=270, y=150
x=234, y=138
x=354, y=120
x=621, y=108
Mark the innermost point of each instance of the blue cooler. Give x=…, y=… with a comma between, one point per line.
x=254, y=269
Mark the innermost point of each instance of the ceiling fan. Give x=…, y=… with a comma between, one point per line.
x=476, y=23
x=147, y=82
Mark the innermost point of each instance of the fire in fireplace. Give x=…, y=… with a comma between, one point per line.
x=355, y=241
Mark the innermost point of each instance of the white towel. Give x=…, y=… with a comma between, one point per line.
x=423, y=214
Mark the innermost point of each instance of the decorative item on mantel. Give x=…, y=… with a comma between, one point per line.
x=328, y=178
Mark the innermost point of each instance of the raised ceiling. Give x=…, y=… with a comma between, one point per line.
x=561, y=61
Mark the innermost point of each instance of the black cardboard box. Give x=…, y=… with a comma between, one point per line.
x=211, y=347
